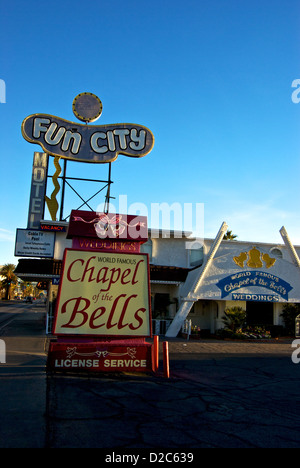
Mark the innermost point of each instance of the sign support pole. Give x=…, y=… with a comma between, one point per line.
x=61, y=216
x=166, y=359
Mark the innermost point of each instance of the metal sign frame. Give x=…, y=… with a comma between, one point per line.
x=52, y=202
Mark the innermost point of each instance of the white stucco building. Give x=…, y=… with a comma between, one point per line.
x=198, y=281
x=259, y=277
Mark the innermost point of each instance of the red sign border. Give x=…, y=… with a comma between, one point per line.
x=101, y=335
x=59, y=350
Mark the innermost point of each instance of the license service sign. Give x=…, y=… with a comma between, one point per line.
x=103, y=294
x=104, y=357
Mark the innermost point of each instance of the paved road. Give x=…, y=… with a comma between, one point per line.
x=220, y=394
x=22, y=377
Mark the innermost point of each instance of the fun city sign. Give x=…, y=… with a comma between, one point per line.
x=103, y=308
x=83, y=142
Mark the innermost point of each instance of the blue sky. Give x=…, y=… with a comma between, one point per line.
x=212, y=79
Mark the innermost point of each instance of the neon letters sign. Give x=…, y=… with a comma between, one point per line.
x=87, y=143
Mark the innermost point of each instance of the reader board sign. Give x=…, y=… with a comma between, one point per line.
x=104, y=357
x=31, y=243
x=103, y=294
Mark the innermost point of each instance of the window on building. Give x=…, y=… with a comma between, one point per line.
x=276, y=253
x=196, y=255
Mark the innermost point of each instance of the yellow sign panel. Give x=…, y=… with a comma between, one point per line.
x=104, y=294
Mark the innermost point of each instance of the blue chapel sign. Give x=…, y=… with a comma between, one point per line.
x=249, y=279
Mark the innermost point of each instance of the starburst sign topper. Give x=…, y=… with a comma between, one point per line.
x=83, y=142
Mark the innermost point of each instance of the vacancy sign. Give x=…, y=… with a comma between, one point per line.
x=104, y=294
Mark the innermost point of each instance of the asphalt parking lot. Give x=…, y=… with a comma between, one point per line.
x=219, y=395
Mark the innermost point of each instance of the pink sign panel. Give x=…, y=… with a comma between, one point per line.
x=107, y=226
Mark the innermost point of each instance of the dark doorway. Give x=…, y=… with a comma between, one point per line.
x=259, y=313
x=161, y=305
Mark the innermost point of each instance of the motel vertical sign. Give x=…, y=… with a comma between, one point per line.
x=38, y=190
